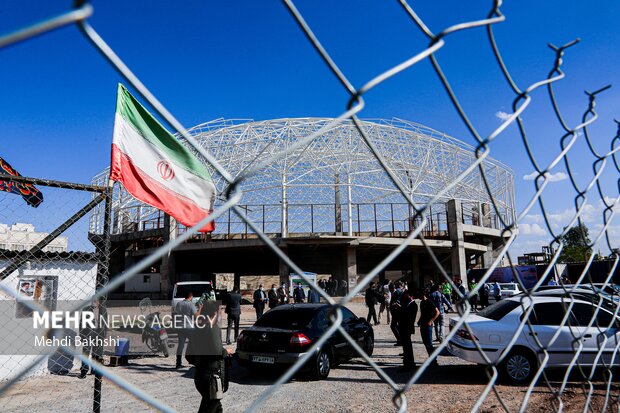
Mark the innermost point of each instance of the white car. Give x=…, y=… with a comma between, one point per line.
x=505, y=289
x=181, y=289
x=494, y=327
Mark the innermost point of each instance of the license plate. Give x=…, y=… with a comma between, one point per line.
x=163, y=336
x=263, y=359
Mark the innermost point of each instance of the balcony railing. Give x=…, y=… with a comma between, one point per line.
x=366, y=219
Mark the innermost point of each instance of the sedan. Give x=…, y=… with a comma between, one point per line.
x=555, y=325
x=284, y=334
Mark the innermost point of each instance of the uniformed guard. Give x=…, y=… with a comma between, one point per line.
x=205, y=351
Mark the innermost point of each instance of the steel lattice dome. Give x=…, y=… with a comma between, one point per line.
x=339, y=165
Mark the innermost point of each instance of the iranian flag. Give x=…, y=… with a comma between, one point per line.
x=156, y=168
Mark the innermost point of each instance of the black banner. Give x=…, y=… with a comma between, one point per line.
x=28, y=191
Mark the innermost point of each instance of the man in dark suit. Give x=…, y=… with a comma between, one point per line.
x=406, y=327
x=313, y=296
x=272, y=296
x=299, y=294
x=260, y=297
x=233, y=309
x=282, y=295
x=372, y=298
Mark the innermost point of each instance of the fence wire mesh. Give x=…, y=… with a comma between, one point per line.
x=589, y=317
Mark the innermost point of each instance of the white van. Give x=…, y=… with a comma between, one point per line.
x=181, y=288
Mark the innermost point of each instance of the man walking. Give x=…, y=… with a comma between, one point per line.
x=406, y=327
x=396, y=292
x=385, y=304
x=188, y=311
x=371, y=298
x=447, y=291
x=259, y=301
x=233, y=309
x=428, y=314
x=439, y=300
x=206, y=352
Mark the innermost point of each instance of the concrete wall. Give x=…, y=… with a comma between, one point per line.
x=144, y=283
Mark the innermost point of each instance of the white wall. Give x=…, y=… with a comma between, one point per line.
x=76, y=281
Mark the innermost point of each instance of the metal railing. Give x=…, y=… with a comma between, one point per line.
x=367, y=219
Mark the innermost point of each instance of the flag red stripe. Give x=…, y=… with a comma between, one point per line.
x=149, y=191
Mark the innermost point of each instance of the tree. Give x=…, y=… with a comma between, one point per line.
x=576, y=245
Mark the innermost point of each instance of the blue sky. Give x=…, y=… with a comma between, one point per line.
x=248, y=59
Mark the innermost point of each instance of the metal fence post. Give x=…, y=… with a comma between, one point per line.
x=103, y=273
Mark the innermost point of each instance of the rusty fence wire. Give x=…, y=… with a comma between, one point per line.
x=91, y=282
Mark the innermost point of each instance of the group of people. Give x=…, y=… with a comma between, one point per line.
x=402, y=310
x=279, y=295
x=478, y=300
x=333, y=287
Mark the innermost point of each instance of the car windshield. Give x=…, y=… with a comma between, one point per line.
x=196, y=289
x=498, y=310
x=511, y=287
x=289, y=319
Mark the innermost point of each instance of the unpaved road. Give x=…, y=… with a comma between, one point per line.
x=353, y=387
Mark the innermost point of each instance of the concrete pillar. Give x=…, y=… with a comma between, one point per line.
x=455, y=230
x=486, y=215
x=488, y=257
x=416, y=280
x=284, y=224
x=349, y=207
x=283, y=269
x=167, y=269
x=351, y=267
x=337, y=205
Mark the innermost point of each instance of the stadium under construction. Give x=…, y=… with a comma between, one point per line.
x=329, y=205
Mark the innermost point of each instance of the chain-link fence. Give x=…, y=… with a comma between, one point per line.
x=584, y=340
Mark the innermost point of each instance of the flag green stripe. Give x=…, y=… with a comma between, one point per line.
x=149, y=128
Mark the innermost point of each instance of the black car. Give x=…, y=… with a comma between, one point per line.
x=282, y=335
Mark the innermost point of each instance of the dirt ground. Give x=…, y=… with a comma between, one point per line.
x=455, y=386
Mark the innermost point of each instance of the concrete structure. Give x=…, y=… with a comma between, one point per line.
x=329, y=205
x=21, y=237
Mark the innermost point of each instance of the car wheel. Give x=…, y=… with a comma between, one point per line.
x=322, y=366
x=519, y=367
x=369, y=345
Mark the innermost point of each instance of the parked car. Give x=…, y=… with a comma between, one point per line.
x=585, y=292
x=183, y=287
x=494, y=327
x=284, y=334
x=506, y=289
x=609, y=289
